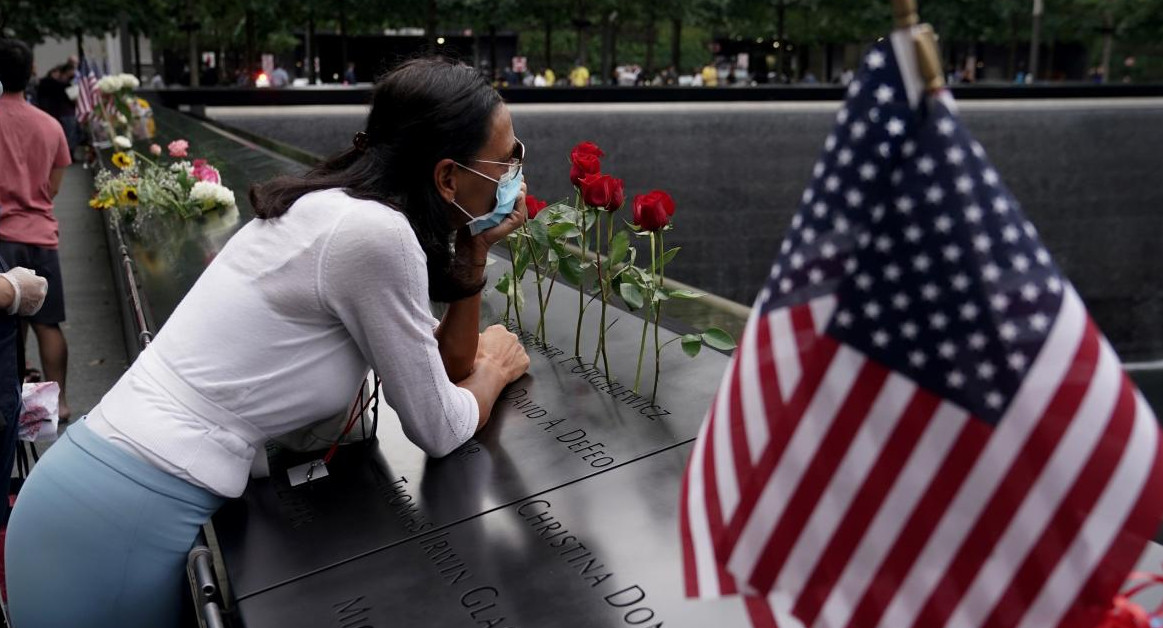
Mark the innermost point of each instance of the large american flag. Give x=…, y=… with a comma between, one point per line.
x=922, y=427
x=87, y=92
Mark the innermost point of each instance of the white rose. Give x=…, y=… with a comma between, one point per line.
x=122, y=119
x=122, y=142
x=219, y=195
x=129, y=81
x=108, y=84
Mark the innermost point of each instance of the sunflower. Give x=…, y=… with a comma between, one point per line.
x=129, y=195
x=122, y=160
x=98, y=202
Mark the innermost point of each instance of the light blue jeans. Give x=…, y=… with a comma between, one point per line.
x=99, y=538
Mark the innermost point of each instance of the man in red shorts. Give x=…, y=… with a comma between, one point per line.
x=33, y=157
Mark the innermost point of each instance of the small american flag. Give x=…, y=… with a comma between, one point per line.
x=922, y=427
x=87, y=93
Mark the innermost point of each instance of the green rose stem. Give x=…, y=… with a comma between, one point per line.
x=658, y=315
x=537, y=272
x=581, y=213
x=548, y=295
x=607, y=287
x=646, y=318
x=145, y=159
x=514, y=286
x=603, y=280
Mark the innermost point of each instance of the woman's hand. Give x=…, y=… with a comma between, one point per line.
x=499, y=351
x=500, y=361
x=478, y=246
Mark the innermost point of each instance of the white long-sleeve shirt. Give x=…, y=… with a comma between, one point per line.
x=277, y=333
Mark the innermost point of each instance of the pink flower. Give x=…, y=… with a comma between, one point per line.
x=203, y=171
x=155, y=150
x=178, y=148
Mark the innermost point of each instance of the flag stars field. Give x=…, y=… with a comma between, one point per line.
x=882, y=491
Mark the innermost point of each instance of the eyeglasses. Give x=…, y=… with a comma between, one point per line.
x=514, y=164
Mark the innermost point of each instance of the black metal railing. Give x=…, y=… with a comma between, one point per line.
x=203, y=584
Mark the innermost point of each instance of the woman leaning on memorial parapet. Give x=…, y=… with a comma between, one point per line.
x=335, y=276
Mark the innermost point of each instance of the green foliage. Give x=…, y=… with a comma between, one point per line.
x=692, y=344
x=632, y=294
x=637, y=26
x=718, y=339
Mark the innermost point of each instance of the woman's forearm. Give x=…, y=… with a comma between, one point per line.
x=486, y=385
x=457, y=336
x=459, y=330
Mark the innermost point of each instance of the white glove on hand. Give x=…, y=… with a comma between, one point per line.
x=28, y=290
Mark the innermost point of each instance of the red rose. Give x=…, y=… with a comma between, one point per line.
x=534, y=205
x=587, y=148
x=601, y=191
x=582, y=165
x=652, y=211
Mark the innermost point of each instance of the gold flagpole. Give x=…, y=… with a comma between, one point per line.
x=904, y=16
x=928, y=58
x=904, y=13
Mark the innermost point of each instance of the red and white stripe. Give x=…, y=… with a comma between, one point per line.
x=86, y=96
x=867, y=501
x=762, y=377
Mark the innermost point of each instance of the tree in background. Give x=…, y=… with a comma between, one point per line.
x=1123, y=37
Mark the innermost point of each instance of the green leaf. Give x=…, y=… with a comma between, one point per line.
x=559, y=247
x=619, y=246
x=571, y=270
x=503, y=284
x=591, y=219
x=521, y=263
x=669, y=255
x=632, y=295
x=554, y=210
x=718, y=339
x=640, y=276
x=540, y=233
x=564, y=230
x=692, y=344
x=684, y=294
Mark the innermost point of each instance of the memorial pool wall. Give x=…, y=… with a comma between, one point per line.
x=1087, y=172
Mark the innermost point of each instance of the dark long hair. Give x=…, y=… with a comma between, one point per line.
x=425, y=110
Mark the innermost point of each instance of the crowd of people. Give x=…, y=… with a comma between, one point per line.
x=628, y=75
x=714, y=74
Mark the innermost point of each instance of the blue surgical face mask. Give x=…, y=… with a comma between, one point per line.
x=508, y=189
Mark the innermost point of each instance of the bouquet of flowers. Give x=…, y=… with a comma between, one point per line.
x=118, y=114
x=144, y=189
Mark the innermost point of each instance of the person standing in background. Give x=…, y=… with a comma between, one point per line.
x=34, y=154
x=56, y=97
x=710, y=75
x=580, y=75
x=280, y=78
x=21, y=294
